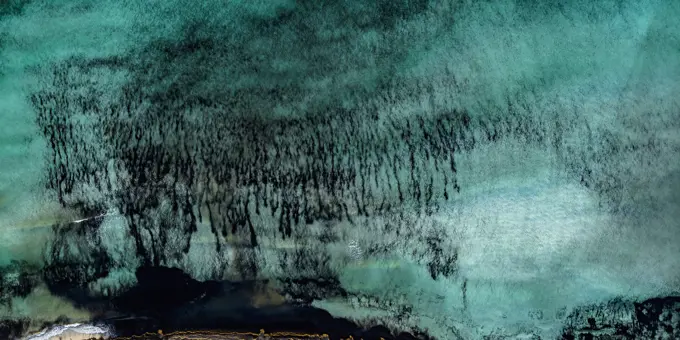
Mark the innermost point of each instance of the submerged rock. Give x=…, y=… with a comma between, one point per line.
x=656, y=318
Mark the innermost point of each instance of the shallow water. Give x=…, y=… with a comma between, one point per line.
x=451, y=169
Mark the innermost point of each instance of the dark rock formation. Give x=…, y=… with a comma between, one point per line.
x=657, y=318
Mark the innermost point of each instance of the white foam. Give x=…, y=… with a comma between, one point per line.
x=50, y=333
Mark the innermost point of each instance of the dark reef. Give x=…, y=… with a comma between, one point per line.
x=13, y=328
x=169, y=300
x=656, y=318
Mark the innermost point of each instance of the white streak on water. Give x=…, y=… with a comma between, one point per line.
x=75, y=327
